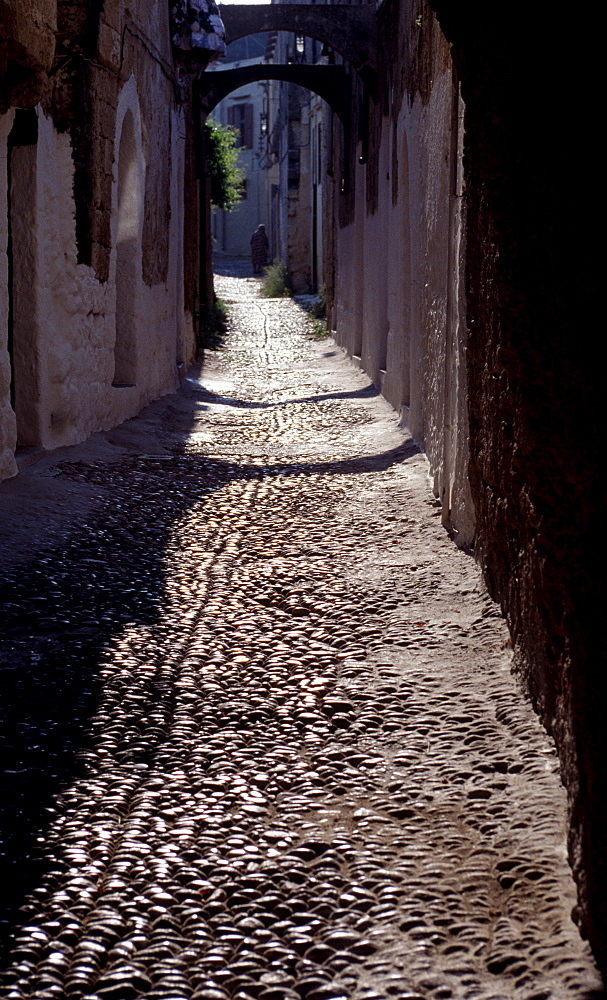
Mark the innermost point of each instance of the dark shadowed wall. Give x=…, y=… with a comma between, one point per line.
x=474, y=216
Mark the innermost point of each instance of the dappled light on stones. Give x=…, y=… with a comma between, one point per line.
x=263, y=736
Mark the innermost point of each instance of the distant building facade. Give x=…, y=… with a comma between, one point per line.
x=245, y=110
x=296, y=143
x=282, y=130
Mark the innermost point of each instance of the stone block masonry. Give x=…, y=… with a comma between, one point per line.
x=27, y=49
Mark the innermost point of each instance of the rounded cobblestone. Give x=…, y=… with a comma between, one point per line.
x=262, y=732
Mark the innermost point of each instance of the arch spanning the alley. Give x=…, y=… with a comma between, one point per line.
x=351, y=31
x=332, y=83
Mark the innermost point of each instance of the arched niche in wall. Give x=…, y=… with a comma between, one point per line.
x=22, y=252
x=127, y=255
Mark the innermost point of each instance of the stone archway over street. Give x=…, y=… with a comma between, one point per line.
x=350, y=30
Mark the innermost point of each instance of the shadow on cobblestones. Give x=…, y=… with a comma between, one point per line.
x=57, y=615
x=60, y=612
x=367, y=392
x=264, y=741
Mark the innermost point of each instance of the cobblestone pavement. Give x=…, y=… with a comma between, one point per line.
x=264, y=741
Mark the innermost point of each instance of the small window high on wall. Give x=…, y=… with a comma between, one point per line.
x=240, y=116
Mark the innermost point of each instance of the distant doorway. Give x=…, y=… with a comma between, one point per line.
x=23, y=325
x=127, y=244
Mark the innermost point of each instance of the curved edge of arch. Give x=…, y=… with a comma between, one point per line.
x=331, y=83
x=351, y=31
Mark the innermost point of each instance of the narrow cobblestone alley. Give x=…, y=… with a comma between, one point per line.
x=263, y=736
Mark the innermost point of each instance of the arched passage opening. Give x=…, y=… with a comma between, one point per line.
x=127, y=256
x=343, y=31
x=329, y=82
x=289, y=125
x=279, y=145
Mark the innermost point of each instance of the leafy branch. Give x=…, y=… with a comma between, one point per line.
x=226, y=176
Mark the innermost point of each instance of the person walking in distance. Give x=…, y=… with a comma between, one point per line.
x=260, y=247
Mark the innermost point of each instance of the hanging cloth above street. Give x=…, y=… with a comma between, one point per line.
x=197, y=28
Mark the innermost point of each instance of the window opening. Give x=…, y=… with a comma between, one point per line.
x=240, y=117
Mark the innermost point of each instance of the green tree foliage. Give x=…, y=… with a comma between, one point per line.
x=222, y=159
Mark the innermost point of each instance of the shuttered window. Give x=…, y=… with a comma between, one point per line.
x=240, y=116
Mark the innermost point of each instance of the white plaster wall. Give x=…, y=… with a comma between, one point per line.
x=299, y=199
x=184, y=332
x=234, y=229
x=163, y=337
x=316, y=177
x=431, y=205
x=76, y=312
x=399, y=300
x=350, y=275
x=8, y=423
x=454, y=488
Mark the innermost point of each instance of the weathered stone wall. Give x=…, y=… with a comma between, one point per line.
x=299, y=192
x=78, y=311
x=101, y=46
x=535, y=413
x=472, y=218
x=398, y=299
x=27, y=48
x=191, y=231
x=8, y=424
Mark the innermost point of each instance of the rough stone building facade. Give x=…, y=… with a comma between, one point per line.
x=98, y=220
x=460, y=277
x=396, y=247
